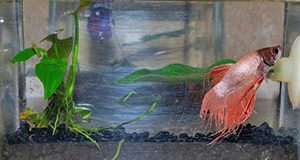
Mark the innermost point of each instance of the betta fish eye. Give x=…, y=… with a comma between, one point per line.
x=275, y=50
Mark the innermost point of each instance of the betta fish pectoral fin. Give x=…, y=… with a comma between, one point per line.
x=218, y=72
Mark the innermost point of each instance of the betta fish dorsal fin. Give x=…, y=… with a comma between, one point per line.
x=218, y=72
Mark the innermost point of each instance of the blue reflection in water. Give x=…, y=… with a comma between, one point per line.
x=99, y=22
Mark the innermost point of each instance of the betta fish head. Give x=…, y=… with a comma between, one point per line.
x=270, y=55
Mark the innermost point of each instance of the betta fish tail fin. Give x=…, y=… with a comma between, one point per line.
x=231, y=110
x=211, y=98
x=214, y=106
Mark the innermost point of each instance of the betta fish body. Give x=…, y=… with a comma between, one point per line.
x=230, y=102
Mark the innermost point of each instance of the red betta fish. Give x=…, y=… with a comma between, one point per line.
x=230, y=102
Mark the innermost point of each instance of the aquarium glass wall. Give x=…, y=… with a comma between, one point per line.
x=119, y=37
x=9, y=79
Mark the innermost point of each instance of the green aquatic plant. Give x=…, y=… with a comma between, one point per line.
x=172, y=73
x=58, y=86
x=58, y=82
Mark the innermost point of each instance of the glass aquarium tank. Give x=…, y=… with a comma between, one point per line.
x=130, y=79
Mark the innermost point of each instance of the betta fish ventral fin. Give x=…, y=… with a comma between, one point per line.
x=231, y=110
x=218, y=72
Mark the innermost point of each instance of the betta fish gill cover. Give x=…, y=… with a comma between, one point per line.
x=132, y=80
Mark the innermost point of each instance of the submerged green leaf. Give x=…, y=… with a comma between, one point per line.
x=61, y=48
x=23, y=55
x=84, y=3
x=151, y=37
x=28, y=115
x=84, y=112
x=50, y=71
x=172, y=73
x=52, y=37
x=33, y=118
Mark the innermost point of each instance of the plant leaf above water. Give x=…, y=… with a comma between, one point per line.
x=172, y=73
x=50, y=71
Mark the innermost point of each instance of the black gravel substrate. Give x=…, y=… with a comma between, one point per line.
x=263, y=134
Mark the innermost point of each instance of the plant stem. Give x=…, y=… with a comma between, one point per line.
x=86, y=136
x=55, y=50
x=72, y=71
x=76, y=45
x=140, y=116
x=118, y=150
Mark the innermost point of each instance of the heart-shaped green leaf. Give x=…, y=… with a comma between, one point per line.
x=23, y=55
x=52, y=37
x=172, y=73
x=61, y=48
x=50, y=71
